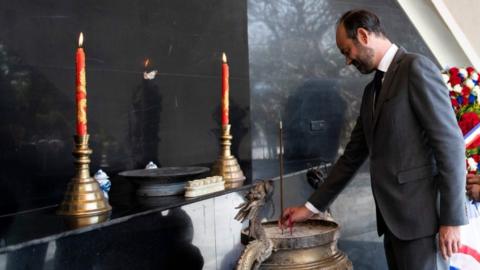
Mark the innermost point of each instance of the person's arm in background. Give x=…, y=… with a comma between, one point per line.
x=473, y=187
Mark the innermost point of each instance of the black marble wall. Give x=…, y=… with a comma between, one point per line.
x=172, y=120
x=298, y=75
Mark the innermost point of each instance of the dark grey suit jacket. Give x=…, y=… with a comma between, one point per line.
x=416, y=151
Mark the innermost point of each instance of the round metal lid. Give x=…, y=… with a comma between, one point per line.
x=164, y=174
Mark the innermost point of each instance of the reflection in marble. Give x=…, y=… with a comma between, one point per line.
x=171, y=120
x=199, y=235
x=298, y=75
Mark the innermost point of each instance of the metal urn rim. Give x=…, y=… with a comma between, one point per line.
x=327, y=232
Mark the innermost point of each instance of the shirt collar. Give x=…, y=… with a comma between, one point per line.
x=387, y=58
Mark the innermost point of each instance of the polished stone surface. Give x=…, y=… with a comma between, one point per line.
x=16, y=230
x=173, y=120
x=156, y=233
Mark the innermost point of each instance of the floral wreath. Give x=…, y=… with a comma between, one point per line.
x=463, y=85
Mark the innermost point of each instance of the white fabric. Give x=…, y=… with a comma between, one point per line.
x=312, y=208
x=387, y=58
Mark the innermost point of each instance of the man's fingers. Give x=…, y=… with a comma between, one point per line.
x=456, y=247
x=294, y=214
x=443, y=249
x=446, y=249
x=282, y=222
x=450, y=248
x=449, y=240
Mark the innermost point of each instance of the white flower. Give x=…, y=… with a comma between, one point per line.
x=472, y=165
x=458, y=88
x=449, y=86
x=463, y=72
x=474, y=76
x=445, y=77
x=476, y=90
x=469, y=83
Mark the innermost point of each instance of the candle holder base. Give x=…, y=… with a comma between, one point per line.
x=83, y=196
x=229, y=169
x=227, y=165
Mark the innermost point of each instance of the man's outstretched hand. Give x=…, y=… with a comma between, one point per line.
x=294, y=214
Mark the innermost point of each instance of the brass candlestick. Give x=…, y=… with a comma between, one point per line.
x=227, y=165
x=83, y=196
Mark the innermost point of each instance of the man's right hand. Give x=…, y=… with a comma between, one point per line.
x=294, y=214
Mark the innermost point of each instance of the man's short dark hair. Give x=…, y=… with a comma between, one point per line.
x=360, y=18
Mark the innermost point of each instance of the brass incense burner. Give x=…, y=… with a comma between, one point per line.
x=83, y=196
x=311, y=245
x=308, y=245
x=227, y=165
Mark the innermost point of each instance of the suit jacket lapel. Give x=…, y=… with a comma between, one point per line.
x=368, y=111
x=386, y=85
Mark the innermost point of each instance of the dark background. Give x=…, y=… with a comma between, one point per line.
x=283, y=50
x=172, y=120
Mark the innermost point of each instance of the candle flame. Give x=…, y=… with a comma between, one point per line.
x=224, y=58
x=80, y=40
x=147, y=61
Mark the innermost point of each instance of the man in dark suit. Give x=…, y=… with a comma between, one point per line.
x=408, y=130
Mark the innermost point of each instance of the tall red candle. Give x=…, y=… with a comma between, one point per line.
x=225, y=90
x=81, y=90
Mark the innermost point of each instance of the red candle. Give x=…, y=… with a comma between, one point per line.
x=225, y=90
x=81, y=90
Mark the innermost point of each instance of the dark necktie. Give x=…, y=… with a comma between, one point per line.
x=377, y=85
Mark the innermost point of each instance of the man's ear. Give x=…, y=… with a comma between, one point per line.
x=362, y=36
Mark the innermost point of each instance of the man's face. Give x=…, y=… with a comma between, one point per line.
x=355, y=52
